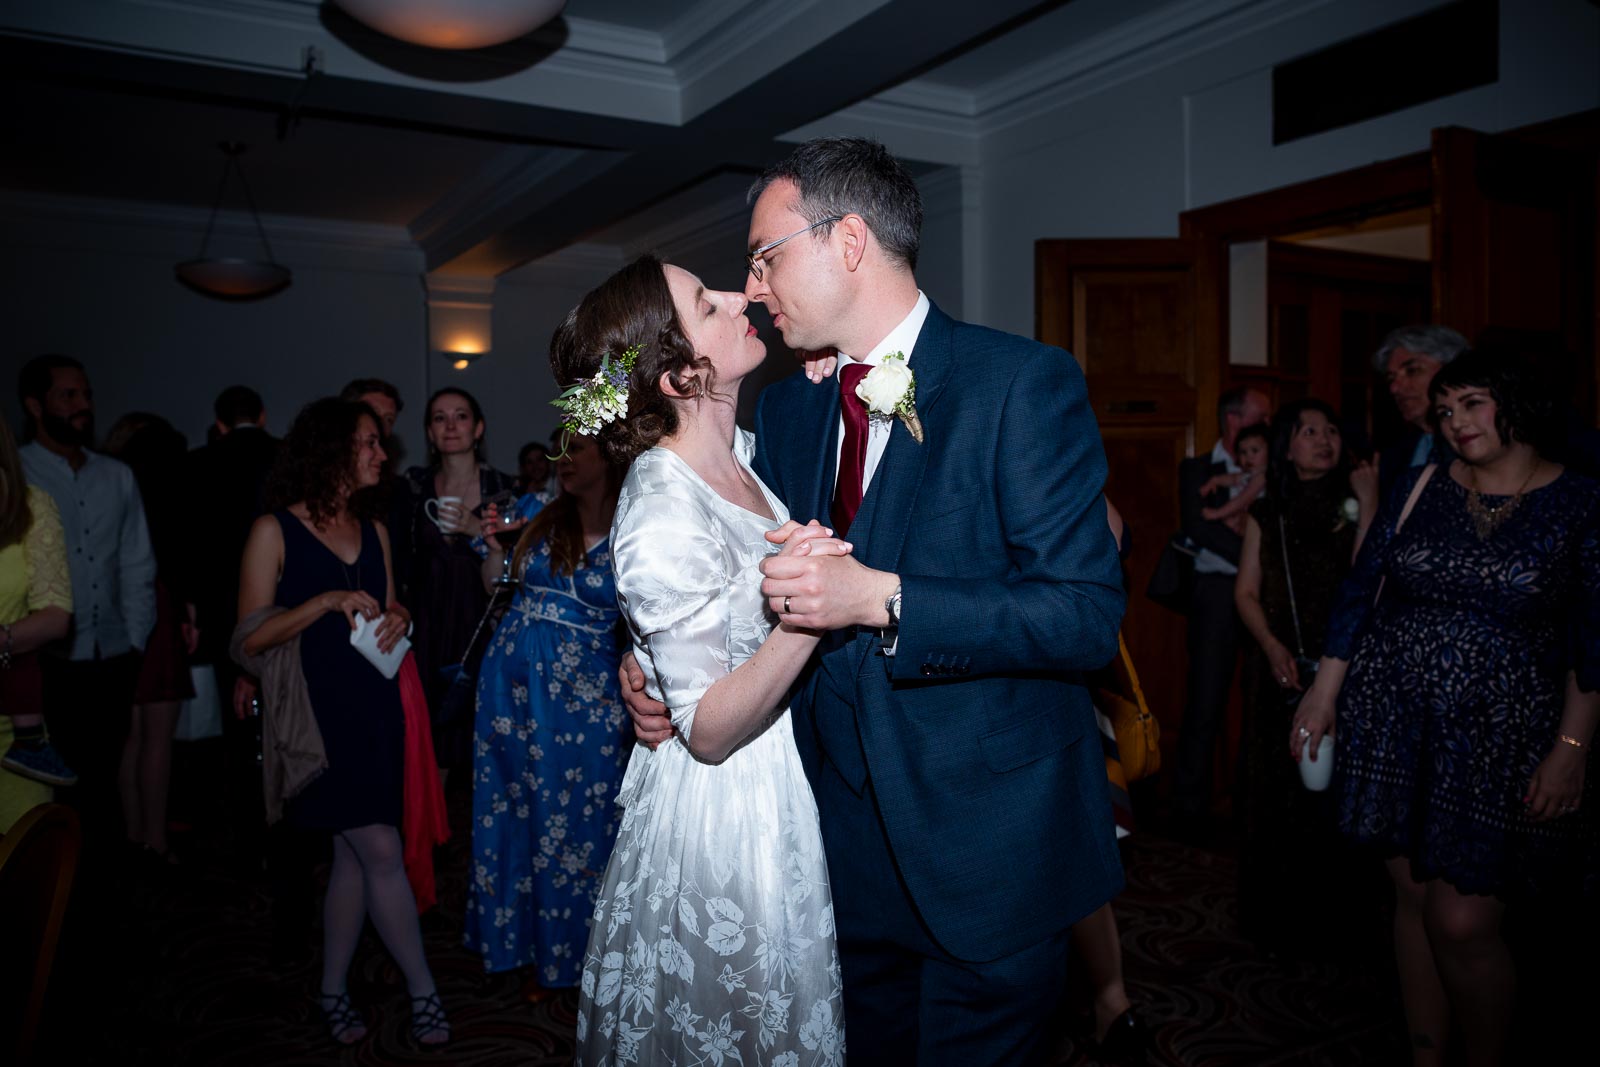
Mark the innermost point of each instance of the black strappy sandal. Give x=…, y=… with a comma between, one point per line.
x=343, y=1021
x=429, y=1025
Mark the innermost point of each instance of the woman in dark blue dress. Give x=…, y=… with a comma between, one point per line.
x=1466, y=697
x=322, y=559
x=550, y=743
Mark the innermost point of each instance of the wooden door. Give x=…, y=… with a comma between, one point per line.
x=1328, y=311
x=1125, y=310
x=1514, y=248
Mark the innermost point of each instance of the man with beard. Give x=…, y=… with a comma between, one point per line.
x=88, y=685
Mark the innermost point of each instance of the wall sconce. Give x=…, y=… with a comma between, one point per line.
x=460, y=312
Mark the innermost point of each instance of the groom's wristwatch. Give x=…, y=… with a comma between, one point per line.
x=892, y=606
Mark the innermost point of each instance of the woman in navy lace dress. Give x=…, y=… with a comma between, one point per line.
x=1472, y=642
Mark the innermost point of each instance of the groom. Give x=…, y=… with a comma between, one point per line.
x=944, y=725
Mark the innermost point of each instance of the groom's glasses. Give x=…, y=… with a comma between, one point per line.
x=753, y=259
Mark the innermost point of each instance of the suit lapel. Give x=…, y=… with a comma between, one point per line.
x=885, y=517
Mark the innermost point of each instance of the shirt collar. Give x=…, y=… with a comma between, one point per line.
x=1220, y=455
x=89, y=455
x=903, y=338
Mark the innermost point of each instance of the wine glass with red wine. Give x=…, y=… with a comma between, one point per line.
x=504, y=503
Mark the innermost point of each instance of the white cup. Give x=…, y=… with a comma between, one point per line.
x=1316, y=774
x=444, y=512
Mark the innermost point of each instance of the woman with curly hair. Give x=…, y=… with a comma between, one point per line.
x=1463, y=661
x=312, y=567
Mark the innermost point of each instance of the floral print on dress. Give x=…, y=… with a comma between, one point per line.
x=549, y=746
x=712, y=942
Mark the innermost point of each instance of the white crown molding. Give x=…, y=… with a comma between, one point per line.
x=1129, y=50
x=913, y=133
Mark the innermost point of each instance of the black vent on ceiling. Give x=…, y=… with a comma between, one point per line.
x=1447, y=50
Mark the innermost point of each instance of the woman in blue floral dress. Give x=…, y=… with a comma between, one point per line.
x=549, y=741
x=1463, y=658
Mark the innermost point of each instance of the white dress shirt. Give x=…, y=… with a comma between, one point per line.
x=108, y=549
x=903, y=338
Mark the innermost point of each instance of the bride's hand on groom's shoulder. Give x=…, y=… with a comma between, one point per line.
x=818, y=365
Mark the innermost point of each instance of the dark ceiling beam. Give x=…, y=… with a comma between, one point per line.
x=881, y=49
x=350, y=99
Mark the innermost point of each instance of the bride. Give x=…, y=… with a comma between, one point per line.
x=712, y=939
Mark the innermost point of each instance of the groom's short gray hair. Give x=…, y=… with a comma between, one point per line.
x=854, y=176
x=1436, y=342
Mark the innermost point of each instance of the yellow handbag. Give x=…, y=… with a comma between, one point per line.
x=1138, y=733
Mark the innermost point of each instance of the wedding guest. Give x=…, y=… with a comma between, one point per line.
x=1213, y=624
x=1462, y=662
x=536, y=472
x=1407, y=359
x=1299, y=541
x=381, y=396
x=155, y=451
x=89, y=689
x=311, y=567
x=35, y=609
x=549, y=745
x=1253, y=445
x=434, y=524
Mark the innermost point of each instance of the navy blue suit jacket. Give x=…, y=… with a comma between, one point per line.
x=978, y=735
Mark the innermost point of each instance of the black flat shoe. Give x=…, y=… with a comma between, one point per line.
x=1128, y=1043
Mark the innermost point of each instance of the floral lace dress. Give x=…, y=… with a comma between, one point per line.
x=713, y=938
x=1457, y=680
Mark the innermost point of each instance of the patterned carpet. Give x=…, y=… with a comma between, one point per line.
x=171, y=966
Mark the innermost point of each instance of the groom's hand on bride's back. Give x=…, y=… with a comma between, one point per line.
x=651, y=723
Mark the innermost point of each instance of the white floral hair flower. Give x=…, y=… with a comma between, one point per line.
x=603, y=398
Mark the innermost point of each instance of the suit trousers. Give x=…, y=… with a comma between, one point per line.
x=1213, y=654
x=902, y=992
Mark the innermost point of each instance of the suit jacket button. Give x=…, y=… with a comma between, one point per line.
x=927, y=669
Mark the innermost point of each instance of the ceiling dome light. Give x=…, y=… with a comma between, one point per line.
x=454, y=24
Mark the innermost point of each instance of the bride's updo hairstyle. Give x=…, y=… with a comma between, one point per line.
x=632, y=307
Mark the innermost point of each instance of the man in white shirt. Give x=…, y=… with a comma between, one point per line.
x=89, y=686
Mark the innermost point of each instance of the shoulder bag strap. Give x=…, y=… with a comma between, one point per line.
x=1405, y=513
x=1288, y=577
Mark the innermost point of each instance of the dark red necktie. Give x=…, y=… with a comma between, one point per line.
x=853, y=456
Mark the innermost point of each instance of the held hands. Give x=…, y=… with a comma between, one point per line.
x=1313, y=720
x=814, y=583
x=1556, y=788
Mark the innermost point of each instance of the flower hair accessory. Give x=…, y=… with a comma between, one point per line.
x=890, y=391
x=589, y=405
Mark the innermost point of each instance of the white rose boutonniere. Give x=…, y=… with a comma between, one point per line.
x=1350, y=509
x=890, y=391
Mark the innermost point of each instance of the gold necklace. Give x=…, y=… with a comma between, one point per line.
x=1485, y=519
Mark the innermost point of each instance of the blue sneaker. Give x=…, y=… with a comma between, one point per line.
x=40, y=762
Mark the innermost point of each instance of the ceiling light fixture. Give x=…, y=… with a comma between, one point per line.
x=231, y=278
x=454, y=24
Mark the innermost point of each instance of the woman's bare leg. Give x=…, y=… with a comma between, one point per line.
x=1095, y=939
x=1427, y=1009
x=1475, y=966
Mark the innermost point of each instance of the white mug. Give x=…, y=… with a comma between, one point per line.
x=444, y=512
x=1317, y=774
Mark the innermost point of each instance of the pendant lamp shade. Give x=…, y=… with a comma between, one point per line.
x=454, y=24
x=231, y=277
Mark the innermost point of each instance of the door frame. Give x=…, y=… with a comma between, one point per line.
x=1382, y=188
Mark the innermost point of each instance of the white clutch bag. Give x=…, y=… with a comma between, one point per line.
x=364, y=638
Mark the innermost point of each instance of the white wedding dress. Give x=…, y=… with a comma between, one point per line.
x=712, y=941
